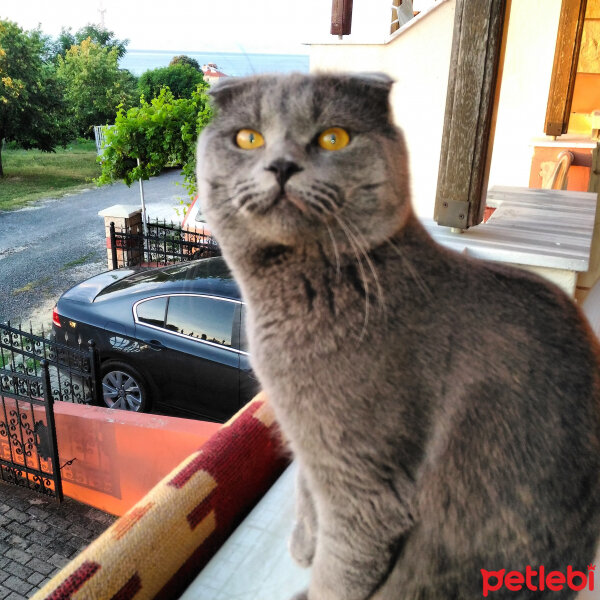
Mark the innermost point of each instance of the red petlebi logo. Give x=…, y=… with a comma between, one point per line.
x=538, y=580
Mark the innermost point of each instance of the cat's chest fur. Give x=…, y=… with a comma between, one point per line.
x=331, y=342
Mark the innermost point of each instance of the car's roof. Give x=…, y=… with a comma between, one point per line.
x=206, y=276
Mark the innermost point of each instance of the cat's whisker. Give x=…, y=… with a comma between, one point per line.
x=242, y=187
x=334, y=197
x=372, y=186
x=412, y=271
x=338, y=269
x=327, y=206
x=364, y=250
x=245, y=199
x=353, y=245
x=308, y=198
x=332, y=186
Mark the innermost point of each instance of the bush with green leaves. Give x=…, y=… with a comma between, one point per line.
x=181, y=78
x=160, y=133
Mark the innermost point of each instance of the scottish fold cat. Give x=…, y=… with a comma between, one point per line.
x=444, y=411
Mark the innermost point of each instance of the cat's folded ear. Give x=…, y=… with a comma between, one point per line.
x=226, y=89
x=376, y=80
x=372, y=88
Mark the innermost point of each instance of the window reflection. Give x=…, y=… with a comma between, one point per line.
x=152, y=312
x=207, y=319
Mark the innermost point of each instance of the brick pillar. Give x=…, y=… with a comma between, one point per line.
x=127, y=219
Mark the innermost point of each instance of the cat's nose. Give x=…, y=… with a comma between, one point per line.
x=283, y=169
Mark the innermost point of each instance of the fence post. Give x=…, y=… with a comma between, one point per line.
x=49, y=402
x=96, y=379
x=124, y=246
x=113, y=246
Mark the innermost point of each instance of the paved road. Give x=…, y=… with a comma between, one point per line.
x=53, y=244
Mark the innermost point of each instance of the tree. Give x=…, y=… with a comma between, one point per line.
x=180, y=78
x=158, y=133
x=182, y=59
x=99, y=35
x=31, y=99
x=94, y=85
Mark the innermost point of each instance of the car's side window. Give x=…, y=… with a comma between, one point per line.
x=152, y=312
x=208, y=319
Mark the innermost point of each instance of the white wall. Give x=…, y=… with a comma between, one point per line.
x=532, y=31
x=418, y=58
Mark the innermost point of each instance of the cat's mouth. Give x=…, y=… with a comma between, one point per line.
x=293, y=199
x=281, y=198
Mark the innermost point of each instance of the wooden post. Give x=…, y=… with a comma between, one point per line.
x=566, y=57
x=476, y=48
x=594, y=184
x=341, y=17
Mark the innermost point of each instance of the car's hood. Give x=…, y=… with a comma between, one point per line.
x=89, y=289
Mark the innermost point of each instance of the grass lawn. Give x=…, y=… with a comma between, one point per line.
x=31, y=174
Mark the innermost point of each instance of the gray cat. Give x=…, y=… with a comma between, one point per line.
x=444, y=411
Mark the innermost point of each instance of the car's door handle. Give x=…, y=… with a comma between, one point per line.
x=155, y=344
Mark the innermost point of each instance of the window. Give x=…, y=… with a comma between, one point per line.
x=152, y=312
x=208, y=319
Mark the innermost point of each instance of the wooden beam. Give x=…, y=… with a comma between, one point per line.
x=475, y=56
x=566, y=57
x=594, y=184
x=341, y=17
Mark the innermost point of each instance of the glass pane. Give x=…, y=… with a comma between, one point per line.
x=203, y=318
x=152, y=312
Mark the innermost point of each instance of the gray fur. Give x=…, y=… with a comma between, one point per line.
x=444, y=411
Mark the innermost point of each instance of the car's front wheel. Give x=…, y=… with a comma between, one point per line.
x=123, y=387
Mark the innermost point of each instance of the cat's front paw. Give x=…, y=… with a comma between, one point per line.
x=300, y=596
x=302, y=545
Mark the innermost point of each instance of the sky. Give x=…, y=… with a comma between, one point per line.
x=280, y=26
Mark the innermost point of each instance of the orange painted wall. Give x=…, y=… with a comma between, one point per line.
x=117, y=456
x=586, y=93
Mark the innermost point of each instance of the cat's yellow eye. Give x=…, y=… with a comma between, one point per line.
x=249, y=139
x=334, y=138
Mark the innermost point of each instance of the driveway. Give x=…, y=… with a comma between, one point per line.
x=50, y=245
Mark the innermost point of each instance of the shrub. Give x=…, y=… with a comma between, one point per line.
x=160, y=132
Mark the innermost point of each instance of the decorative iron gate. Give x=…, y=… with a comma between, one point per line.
x=34, y=372
x=162, y=244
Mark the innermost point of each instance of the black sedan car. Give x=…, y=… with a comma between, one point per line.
x=170, y=340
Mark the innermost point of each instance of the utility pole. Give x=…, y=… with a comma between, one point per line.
x=101, y=10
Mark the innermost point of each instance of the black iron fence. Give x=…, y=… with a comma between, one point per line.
x=161, y=244
x=34, y=372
